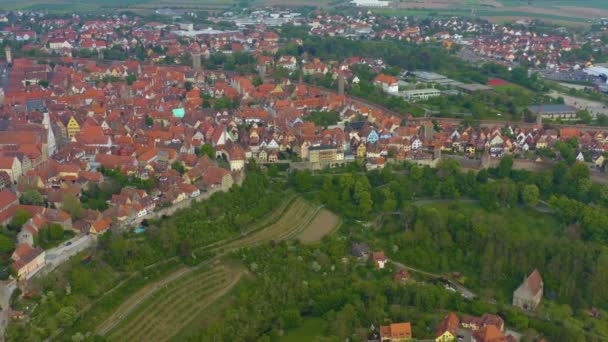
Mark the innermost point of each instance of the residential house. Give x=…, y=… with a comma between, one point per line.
x=321, y=153
x=475, y=323
x=396, y=332
x=217, y=177
x=73, y=127
x=379, y=259
x=360, y=250
x=101, y=226
x=447, y=330
x=8, y=203
x=27, y=260
x=491, y=334
x=389, y=84
x=12, y=166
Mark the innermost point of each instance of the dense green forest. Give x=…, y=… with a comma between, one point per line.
x=572, y=257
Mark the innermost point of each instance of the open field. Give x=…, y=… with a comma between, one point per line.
x=172, y=308
x=324, y=223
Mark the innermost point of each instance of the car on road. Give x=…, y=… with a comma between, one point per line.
x=68, y=243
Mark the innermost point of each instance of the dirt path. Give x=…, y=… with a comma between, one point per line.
x=466, y=293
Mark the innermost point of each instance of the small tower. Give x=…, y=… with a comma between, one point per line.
x=9, y=55
x=539, y=117
x=341, y=83
x=196, y=60
x=262, y=72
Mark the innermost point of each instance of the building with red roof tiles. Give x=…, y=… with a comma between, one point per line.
x=100, y=226
x=379, y=259
x=110, y=161
x=396, y=332
x=8, y=201
x=27, y=260
x=215, y=177
x=389, y=84
x=448, y=328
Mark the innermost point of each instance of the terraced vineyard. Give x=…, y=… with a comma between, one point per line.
x=295, y=219
x=161, y=310
x=172, y=307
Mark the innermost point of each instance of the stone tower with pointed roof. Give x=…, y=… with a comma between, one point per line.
x=530, y=292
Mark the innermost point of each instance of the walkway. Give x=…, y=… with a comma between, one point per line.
x=466, y=293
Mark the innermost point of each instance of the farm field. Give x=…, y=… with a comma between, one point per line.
x=172, y=307
x=324, y=223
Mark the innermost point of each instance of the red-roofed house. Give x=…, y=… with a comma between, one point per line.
x=396, y=332
x=27, y=260
x=8, y=201
x=101, y=226
x=379, y=259
x=12, y=166
x=217, y=177
x=448, y=328
x=388, y=83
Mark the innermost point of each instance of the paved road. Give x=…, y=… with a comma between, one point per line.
x=62, y=253
x=6, y=290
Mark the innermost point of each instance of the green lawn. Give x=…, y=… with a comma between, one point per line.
x=310, y=328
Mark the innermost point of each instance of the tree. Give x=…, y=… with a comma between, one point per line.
x=584, y=116
x=32, y=197
x=179, y=167
x=20, y=218
x=505, y=166
x=6, y=244
x=188, y=85
x=304, y=181
x=71, y=204
x=530, y=195
x=149, y=121
x=206, y=149
x=131, y=78
x=67, y=316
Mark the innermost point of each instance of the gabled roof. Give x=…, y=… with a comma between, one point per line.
x=534, y=282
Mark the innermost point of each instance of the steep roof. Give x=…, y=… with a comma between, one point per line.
x=396, y=330
x=450, y=324
x=6, y=198
x=534, y=282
